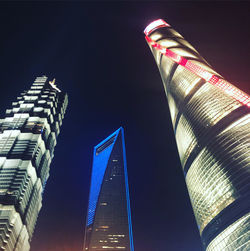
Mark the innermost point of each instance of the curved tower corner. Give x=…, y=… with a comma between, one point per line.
x=210, y=119
x=108, y=225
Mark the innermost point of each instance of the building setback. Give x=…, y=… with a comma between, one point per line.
x=27, y=140
x=210, y=119
x=108, y=225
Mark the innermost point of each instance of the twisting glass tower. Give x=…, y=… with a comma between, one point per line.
x=211, y=124
x=27, y=140
x=108, y=224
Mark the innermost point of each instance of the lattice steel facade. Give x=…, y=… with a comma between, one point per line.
x=108, y=224
x=211, y=123
x=27, y=140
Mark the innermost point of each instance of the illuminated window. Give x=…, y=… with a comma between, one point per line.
x=105, y=145
x=103, y=203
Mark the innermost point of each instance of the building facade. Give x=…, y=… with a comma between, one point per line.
x=211, y=122
x=108, y=225
x=28, y=136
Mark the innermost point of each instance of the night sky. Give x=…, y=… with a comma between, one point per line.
x=98, y=55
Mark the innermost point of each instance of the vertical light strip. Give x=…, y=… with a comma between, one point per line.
x=198, y=70
x=127, y=192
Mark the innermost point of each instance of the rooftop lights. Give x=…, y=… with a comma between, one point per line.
x=155, y=25
x=198, y=70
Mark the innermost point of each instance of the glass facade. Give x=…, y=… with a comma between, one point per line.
x=27, y=140
x=108, y=224
x=211, y=122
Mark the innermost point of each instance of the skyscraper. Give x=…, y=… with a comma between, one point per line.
x=27, y=140
x=210, y=119
x=108, y=225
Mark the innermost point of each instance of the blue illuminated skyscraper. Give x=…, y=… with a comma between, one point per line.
x=108, y=225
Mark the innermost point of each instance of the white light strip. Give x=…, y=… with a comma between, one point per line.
x=155, y=25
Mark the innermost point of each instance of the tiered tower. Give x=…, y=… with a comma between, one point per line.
x=108, y=224
x=211, y=122
x=27, y=140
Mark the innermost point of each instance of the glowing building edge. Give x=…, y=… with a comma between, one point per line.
x=109, y=224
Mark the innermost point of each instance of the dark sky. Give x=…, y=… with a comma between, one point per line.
x=98, y=54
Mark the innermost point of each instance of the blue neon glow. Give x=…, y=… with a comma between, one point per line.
x=127, y=192
x=100, y=163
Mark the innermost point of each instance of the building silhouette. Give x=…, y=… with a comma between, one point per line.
x=28, y=136
x=108, y=225
x=210, y=119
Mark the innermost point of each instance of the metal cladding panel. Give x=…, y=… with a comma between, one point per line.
x=13, y=233
x=182, y=84
x=233, y=237
x=110, y=227
x=204, y=110
x=212, y=127
x=220, y=173
x=169, y=66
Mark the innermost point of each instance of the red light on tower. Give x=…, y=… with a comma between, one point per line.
x=198, y=70
x=191, y=66
x=155, y=25
x=211, y=122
